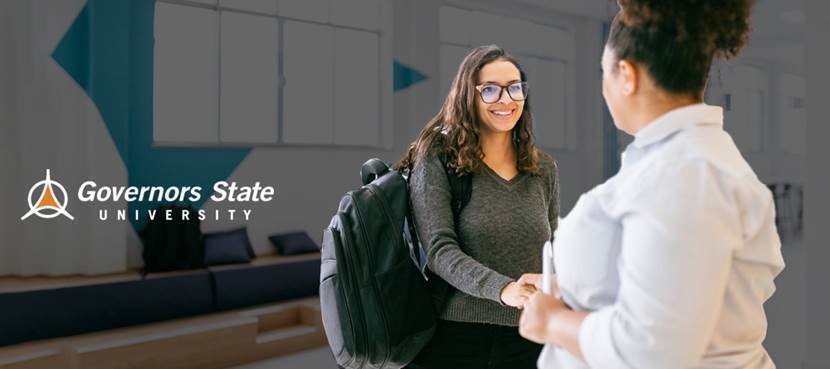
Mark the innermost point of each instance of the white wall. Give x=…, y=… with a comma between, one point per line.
x=310, y=181
x=818, y=181
x=48, y=122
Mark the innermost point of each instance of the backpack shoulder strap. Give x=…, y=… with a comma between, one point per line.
x=460, y=191
x=461, y=188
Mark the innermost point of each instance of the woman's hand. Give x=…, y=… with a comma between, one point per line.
x=535, y=279
x=539, y=316
x=516, y=294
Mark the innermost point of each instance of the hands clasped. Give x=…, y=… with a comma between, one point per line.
x=518, y=293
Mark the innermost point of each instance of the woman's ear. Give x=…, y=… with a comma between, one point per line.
x=629, y=74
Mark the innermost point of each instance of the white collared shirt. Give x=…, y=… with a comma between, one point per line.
x=675, y=255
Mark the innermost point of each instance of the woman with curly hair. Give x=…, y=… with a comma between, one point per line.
x=666, y=265
x=484, y=130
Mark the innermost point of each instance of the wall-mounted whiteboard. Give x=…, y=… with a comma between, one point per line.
x=309, y=83
x=272, y=72
x=356, y=88
x=249, y=79
x=186, y=82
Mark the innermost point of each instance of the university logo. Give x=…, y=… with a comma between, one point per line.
x=48, y=205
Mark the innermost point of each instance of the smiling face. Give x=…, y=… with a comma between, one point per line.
x=502, y=115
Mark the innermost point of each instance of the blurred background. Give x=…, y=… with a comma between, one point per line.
x=297, y=94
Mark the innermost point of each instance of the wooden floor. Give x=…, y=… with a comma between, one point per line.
x=319, y=358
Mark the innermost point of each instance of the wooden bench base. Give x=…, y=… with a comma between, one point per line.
x=211, y=341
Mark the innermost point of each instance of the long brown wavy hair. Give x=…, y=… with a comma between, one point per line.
x=455, y=132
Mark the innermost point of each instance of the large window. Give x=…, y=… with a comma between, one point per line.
x=281, y=72
x=545, y=52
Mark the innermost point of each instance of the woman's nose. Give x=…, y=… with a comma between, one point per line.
x=504, y=97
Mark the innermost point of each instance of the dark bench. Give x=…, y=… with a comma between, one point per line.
x=66, y=311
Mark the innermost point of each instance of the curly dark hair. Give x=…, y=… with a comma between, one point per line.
x=455, y=132
x=677, y=40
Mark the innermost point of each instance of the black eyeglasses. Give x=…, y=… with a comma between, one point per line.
x=491, y=92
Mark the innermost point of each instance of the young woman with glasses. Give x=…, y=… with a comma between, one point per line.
x=484, y=129
x=668, y=263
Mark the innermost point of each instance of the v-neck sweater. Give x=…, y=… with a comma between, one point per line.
x=499, y=235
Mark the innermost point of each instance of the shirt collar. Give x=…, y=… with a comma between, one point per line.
x=677, y=120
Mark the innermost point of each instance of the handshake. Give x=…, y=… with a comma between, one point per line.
x=517, y=294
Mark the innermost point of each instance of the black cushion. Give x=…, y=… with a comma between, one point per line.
x=294, y=243
x=228, y=247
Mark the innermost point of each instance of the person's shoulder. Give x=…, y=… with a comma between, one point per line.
x=697, y=149
x=429, y=159
x=428, y=167
x=547, y=163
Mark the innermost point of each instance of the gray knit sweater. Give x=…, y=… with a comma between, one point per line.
x=500, y=235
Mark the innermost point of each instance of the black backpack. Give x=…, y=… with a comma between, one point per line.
x=172, y=245
x=378, y=308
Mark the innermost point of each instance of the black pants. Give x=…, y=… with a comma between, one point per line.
x=481, y=346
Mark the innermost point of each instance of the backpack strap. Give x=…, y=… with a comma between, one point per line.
x=372, y=169
x=460, y=192
x=461, y=189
